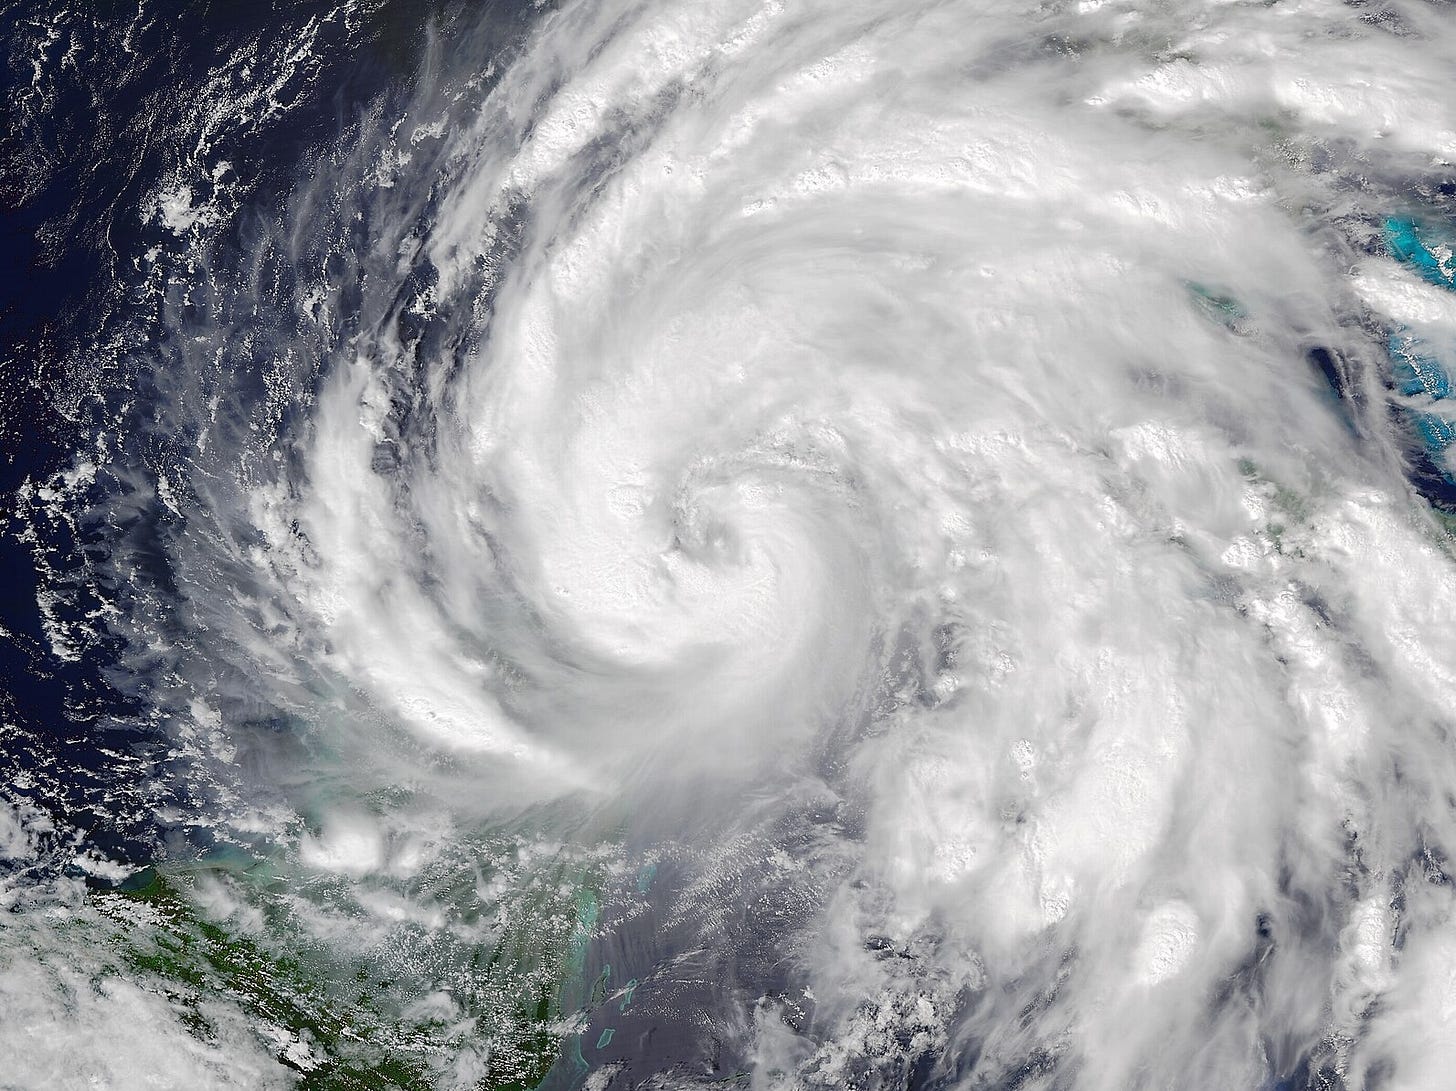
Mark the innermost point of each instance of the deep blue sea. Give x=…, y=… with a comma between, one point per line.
x=733, y=543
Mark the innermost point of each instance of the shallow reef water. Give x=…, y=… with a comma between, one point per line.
x=752, y=543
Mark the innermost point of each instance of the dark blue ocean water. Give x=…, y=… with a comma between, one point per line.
x=98, y=109
x=97, y=103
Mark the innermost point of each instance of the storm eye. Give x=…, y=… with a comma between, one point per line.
x=604, y=544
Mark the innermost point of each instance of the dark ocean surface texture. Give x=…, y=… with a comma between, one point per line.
x=772, y=544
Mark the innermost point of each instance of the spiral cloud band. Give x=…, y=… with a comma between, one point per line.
x=827, y=545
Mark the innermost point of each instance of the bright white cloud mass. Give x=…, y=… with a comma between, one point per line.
x=819, y=545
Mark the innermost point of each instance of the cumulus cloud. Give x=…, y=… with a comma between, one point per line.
x=868, y=457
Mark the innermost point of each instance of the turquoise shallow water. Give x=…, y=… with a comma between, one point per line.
x=1421, y=368
x=779, y=545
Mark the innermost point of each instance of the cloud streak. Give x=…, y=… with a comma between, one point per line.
x=855, y=476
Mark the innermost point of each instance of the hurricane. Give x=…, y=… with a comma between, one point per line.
x=729, y=543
